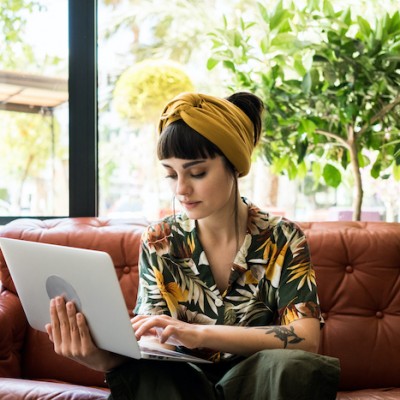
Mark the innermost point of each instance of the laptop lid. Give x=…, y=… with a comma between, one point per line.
x=41, y=271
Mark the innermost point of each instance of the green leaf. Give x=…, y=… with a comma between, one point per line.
x=291, y=170
x=225, y=21
x=301, y=147
x=365, y=27
x=242, y=24
x=264, y=44
x=244, y=79
x=211, y=63
x=315, y=82
x=284, y=40
x=376, y=168
x=279, y=21
x=396, y=154
x=237, y=39
x=302, y=170
x=263, y=12
x=329, y=75
x=346, y=19
x=279, y=6
x=299, y=67
x=328, y=9
x=306, y=83
x=316, y=170
x=307, y=126
x=229, y=65
x=332, y=175
x=280, y=164
x=363, y=160
x=394, y=24
x=313, y=5
x=396, y=172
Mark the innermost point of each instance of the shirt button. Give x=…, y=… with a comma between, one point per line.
x=218, y=302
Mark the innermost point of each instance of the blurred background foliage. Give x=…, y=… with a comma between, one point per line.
x=331, y=84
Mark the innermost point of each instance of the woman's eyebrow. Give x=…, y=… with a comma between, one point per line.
x=191, y=163
x=186, y=165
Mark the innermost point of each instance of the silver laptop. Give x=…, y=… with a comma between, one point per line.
x=41, y=271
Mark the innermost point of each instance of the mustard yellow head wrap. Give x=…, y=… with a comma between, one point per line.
x=219, y=121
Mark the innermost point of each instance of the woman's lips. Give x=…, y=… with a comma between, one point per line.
x=189, y=205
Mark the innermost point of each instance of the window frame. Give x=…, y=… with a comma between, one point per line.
x=83, y=112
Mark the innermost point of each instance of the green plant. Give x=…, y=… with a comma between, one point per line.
x=331, y=85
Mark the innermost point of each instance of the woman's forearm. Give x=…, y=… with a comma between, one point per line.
x=302, y=334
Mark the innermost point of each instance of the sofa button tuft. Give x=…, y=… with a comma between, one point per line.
x=324, y=315
x=379, y=314
x=126, y=270
x=349, y=269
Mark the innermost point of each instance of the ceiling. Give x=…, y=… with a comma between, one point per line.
x=30, y=93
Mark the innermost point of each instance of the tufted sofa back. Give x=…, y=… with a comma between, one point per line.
x=358, y=274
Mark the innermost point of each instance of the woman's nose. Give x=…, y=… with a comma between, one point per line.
x=182, y=187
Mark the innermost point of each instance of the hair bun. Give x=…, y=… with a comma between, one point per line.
x=253, y=106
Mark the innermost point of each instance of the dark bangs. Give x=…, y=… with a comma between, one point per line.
x=179, y=140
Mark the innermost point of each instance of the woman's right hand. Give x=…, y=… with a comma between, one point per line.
x=71, y=337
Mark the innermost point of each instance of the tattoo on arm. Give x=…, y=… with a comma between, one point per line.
x=285, y=335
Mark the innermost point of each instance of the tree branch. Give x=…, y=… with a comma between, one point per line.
x=334, y=136
x=379, y=115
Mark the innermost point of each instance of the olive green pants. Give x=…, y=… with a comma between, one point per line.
x=268, y=374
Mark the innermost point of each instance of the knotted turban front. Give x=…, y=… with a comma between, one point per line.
x=219, y=121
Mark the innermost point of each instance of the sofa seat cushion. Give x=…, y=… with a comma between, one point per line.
x=23, y=389
x=371, y=394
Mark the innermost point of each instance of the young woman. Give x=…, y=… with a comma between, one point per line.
x=223, y=279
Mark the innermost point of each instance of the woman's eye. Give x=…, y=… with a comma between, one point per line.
x=199, y=175
x=192, y=175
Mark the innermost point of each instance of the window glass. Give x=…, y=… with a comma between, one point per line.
x=33, y=107
x=151, y=50
x=147, y=55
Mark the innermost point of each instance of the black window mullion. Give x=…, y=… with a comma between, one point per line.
x=82, y=87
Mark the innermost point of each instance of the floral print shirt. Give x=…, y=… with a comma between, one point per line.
x=272, y=280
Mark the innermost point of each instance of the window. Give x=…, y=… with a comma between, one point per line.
x=147, y=55
x=48, y=104
x=138, y=45
x=34, y=109
x=68, y=148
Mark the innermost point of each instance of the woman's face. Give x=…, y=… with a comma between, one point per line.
x=204, y=187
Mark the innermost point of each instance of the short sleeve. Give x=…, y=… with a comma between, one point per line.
x=297, y=291
x=150, y=300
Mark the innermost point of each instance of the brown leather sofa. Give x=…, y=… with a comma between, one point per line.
x=358, y=273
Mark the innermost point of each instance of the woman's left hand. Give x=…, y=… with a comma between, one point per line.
x=168, y=330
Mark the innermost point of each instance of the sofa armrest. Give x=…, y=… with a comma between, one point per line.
x=13, y=325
